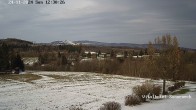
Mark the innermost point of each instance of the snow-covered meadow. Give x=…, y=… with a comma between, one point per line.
x=61, y=90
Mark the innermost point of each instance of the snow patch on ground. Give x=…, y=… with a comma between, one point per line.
x=60, y=90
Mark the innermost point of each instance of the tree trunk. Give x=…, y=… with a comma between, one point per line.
x=164, y=82
x=173, y=77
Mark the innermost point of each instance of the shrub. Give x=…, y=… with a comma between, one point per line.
x=143, y=90
x=146, y=89
x=156, y=90
x=183, y=83
x=177, y=85
x=171, y=88
x=75, y=108
x=111, y=106
x=132, y=100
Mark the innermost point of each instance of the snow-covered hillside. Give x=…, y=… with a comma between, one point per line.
x=60, y=90
x=66, y=42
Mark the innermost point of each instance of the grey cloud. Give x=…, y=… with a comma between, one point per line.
x=134, y=21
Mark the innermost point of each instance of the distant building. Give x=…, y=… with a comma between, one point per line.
x=102, y=55
x=134, y=57
x=119, y=56
x=91, y=54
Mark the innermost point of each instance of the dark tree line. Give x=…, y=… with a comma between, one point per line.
x=9, y=60
x=4, y=57
x=17, y=63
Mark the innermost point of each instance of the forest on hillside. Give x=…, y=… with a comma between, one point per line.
x=167, y=62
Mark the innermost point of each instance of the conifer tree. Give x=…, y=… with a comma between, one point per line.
x=18, y=64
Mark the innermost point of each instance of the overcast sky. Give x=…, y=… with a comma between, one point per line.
x=127, y=21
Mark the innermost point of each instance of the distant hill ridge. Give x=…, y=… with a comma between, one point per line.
x=14, y=41
x=95, y=43
x=130, y=45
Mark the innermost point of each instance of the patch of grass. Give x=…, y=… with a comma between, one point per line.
x=59, y=77
x=181, y=91
x=70, y=78
x=84, y=77
x=108, y=76
x=20, y=77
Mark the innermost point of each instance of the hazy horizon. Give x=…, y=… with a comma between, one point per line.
x=112, y=21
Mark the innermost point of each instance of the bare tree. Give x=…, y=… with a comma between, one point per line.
x=169, y=60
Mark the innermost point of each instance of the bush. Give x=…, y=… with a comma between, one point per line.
x=176, y=85
x=75, y=108
x=132, y=100
x=111, y=106
x=156, y=90
x=146, y=89
x=143, y=90
x=179, y=84
x=171, y=88
x=182, y=83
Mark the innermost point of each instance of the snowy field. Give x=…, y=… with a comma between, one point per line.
x=61, y=90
